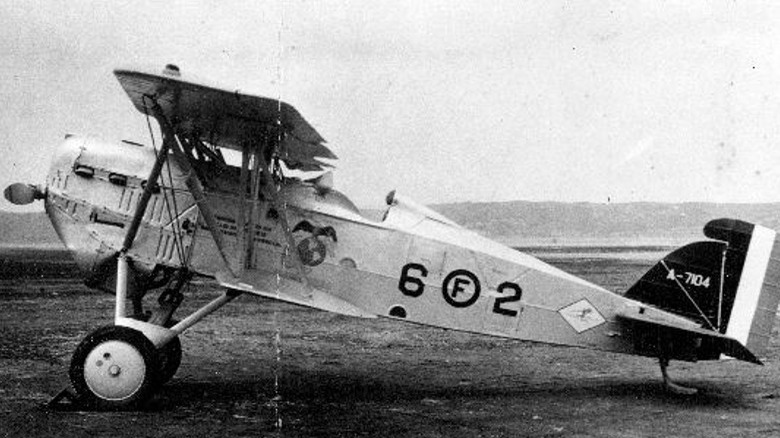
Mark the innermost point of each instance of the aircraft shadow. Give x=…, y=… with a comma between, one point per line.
x=320, y=387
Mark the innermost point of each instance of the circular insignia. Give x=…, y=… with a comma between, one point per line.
x=311, y=251
x=461, y=288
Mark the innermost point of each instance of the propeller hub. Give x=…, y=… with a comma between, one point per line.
x=23, y=194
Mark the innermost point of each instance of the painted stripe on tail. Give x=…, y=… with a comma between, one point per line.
x=743, y=312
x=764, y=318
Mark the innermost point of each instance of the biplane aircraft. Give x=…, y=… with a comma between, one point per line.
x=140, y=219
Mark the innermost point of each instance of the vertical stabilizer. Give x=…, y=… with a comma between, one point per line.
x=729, y=285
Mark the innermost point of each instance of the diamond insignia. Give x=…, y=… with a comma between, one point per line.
x=582, y=316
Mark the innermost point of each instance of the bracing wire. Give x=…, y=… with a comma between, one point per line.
x=175, y=222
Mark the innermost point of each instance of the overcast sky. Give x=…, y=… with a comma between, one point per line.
x=443, y=100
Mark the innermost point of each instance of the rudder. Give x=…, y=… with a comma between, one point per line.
x=753, y=313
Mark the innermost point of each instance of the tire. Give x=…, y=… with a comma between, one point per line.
x=169, y=360
x=168, y=357
x=115, y=368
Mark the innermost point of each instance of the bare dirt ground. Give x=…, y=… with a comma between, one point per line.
x=339, y=376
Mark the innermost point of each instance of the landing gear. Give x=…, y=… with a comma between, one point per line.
x=115, y=368
x=119, y=367
x=671, y=386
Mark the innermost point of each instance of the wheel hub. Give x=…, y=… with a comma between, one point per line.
x=114, y=370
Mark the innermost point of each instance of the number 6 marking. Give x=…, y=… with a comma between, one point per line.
x=412, y=286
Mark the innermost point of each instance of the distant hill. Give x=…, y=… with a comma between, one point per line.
x=522, y=223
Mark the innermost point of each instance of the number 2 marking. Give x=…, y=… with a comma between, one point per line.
x=516, y=296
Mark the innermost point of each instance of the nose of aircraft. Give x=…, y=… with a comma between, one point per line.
x=23, y=194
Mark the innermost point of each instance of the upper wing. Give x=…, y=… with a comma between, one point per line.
x=226, y=118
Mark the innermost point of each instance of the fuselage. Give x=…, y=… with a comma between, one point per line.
x=413, y=265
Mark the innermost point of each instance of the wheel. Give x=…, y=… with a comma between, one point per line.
x=169, y=360
x=115, y=368
x=169, y=356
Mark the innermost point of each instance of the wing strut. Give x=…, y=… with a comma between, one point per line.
x=193, y=184
x=140, y=210
x=249, y=192
x=275, y=171
x=246, y=223
x=260, y=178
x=132, y=231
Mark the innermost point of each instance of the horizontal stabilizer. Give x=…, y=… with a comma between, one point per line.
x=653, y=335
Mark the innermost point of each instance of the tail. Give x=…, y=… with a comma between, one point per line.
x=730, y=286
